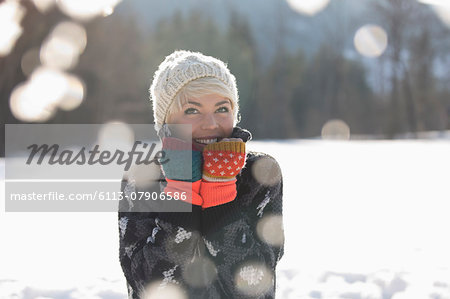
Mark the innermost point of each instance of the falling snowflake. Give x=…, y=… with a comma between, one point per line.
x=251, y=275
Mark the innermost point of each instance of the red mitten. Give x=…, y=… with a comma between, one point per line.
x=222, y=163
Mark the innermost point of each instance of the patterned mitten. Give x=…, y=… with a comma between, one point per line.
x=181, y=177
x=222, y=163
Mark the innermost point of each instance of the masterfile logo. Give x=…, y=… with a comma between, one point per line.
x=88, y=167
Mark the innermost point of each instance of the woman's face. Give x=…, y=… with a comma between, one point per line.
x=211, y=117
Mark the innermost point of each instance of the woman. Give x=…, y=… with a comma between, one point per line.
x=231, y=242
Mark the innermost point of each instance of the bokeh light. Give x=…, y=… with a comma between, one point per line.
x=160, y=290
x=308, y=7
x=336, y=129
x=436, y=2
x=11, y=14
x=30, y=61
x=200, y=273
x=37, y=99
x=266, y=171
x=44, y=5
x=84, y=10
x=24, y=106
x=74, y=94
x=145, y=176
x=115, y=135
x=370, y=40
x=270, y=230
x=49, y=85
x=441, y=8
x=63, y=46
x=253, y=278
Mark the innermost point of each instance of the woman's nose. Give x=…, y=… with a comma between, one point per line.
x=209, y=122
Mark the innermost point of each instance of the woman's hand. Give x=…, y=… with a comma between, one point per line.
x=177, y=152
x=223, y=160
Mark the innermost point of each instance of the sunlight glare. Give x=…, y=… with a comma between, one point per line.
x=27, y=108
x=370, y=40
x=74, y=94
x=270, y=230
x=63, y=46
x=253, y=278
x=115, y=135
x=11, y=14
x=162, y=290
x=308, y=7
x=200, y=273
x=443, y=12
x=266, y=171
x=44, y=5
x=335, y=129
x=85, y=10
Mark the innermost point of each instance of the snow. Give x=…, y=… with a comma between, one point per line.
x=362, y=219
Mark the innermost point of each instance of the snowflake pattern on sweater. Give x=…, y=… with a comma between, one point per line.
x=224, y=238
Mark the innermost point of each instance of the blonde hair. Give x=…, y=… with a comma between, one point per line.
x=200, y=87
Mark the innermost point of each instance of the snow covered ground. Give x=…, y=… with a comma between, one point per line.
x=363, y=219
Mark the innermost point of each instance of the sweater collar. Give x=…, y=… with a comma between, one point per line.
x=239, y=132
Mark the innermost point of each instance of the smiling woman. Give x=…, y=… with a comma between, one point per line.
x=231, y=242
x=211, y=118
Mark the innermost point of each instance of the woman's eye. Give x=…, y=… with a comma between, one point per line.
x=223, y=109
x=190, y=111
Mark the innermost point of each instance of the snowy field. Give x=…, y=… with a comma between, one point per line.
x=363, y=219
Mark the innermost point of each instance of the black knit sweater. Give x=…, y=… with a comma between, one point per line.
x=226, y=251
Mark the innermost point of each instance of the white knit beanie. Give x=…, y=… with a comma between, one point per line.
x=177, y=70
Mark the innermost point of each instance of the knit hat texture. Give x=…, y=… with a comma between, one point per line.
x=177, y=70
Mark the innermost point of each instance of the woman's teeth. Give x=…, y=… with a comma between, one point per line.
x=206, y=141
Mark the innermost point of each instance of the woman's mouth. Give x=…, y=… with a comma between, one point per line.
x=205, y=140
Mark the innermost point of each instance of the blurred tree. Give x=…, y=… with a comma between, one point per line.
x=334, y=87
x=115, y=77
x=275, y=95
x=412, y=54
x=241, y=55
x=35, y=27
